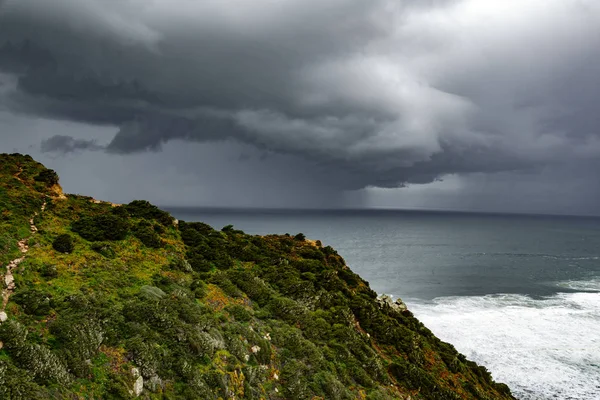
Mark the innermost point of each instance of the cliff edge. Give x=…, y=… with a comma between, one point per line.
x=106, y=301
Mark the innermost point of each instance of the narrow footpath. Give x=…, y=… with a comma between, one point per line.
x=9, y=279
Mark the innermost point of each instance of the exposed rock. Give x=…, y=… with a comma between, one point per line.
x=3, y=316
x=9, y=281
x=255, y=349
x=138, y=385
x=397, y=305
x=400, y=305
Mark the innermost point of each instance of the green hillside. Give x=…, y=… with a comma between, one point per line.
x=122, y=301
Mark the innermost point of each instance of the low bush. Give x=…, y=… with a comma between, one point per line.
x=104, y=249
x=103, y=227
x=63, y=243
x=48, y=271
x=300, y=237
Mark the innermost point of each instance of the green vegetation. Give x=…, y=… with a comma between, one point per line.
x=118, y=302
x=63, y=243
x=300, y=237
x=104, y=226
x=47, y=176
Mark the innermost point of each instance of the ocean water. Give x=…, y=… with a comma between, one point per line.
x=519, y=294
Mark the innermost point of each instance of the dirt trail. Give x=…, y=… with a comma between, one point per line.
x=9, y=280
x=18, y=174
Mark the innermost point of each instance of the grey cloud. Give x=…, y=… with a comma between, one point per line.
x=550, y=190
x=149, y=131
x=19, y=57
x=68, y=144
x=380, y=93
x=182, y=174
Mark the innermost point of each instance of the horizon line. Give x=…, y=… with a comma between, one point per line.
x=383, y=209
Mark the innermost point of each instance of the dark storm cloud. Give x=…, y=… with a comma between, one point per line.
x=379, y=93
x=22, y=56
x=67, y=144
x=149, y=131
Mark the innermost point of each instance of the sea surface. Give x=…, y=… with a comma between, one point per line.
x=519, y=294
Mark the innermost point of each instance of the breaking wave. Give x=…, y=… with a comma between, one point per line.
x=543, y=348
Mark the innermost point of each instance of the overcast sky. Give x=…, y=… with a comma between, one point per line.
x=446, y=104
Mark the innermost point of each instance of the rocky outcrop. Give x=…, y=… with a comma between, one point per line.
x=387, y=301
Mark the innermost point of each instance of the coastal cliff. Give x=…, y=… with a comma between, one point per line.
x=107, y=301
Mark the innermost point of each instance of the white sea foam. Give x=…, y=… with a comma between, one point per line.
x=542, y=348
x=591, y=285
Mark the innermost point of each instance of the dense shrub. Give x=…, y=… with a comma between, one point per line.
x=33, y=301
x=228, y=229
x=222, y=280
x=207, y=248
x=239, y=313
x=307, y=265
x=47, y=176
x=79, y=340
x=143, y=209
x=312, y=253
x=18, y=384
x=349, y=277
x=198, y=287
x=198, y=262
x=120, y=212
x=181, y=264
x=300, y=237
x=63, y=243
x=145, y=232
x=222, y=260
x=103, y=227
x=45, y=366
x=253, y=286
